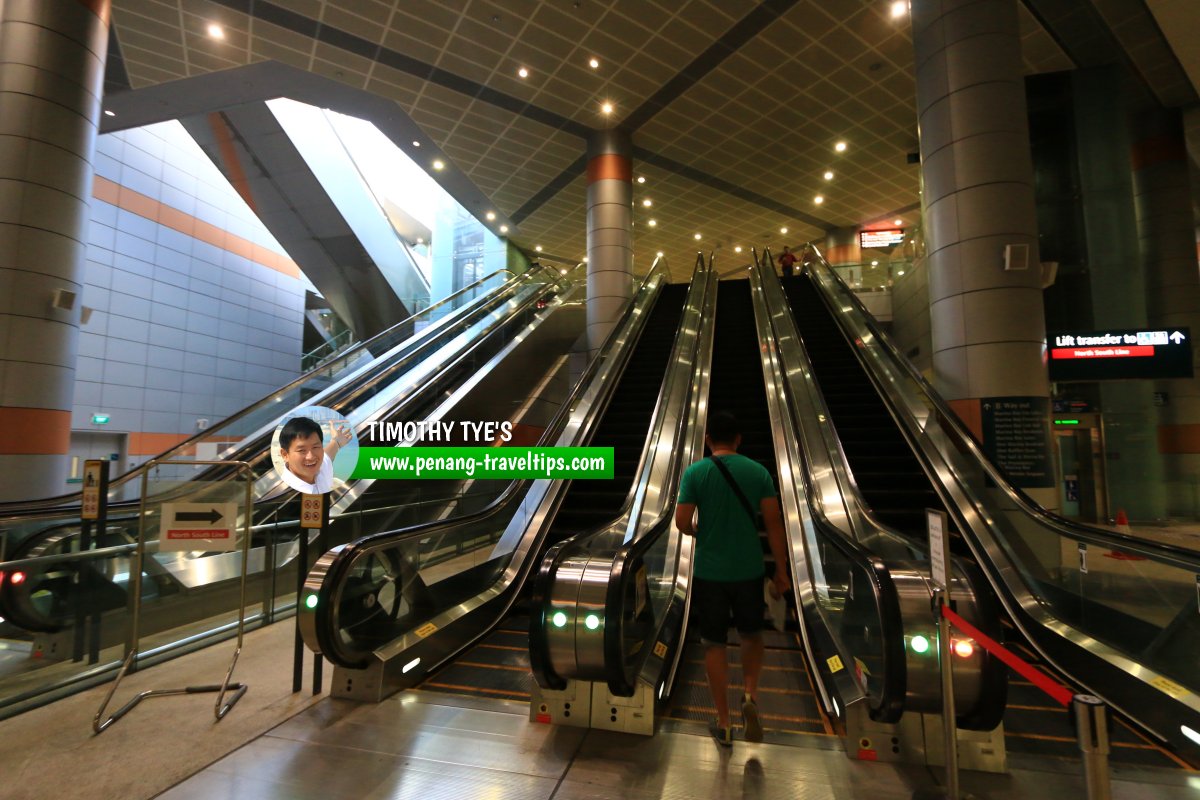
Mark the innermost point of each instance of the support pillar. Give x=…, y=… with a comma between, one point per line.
x=51, y=80
x=609, y=231
x=842, y=250
x=986, y=315
x=1166, y=238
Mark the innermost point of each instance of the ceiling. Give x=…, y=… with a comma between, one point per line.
x=734, y=105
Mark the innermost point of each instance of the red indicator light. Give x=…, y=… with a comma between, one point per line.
x=964, y=649
x=16, y=578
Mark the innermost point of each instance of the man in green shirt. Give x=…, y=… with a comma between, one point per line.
x=727, y=576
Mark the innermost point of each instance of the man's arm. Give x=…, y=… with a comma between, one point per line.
x=684, y=514
x=341, y=435
x=775, y=538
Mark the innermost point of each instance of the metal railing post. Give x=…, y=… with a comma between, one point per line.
x=1091, y=728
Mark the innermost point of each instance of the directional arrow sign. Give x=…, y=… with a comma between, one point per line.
x=211, y=516
x=1177, y=337
x=198, y=526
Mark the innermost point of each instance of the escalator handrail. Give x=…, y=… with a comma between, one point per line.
x=66, y=500
x=1181, y=557
x=619, y=674
x=890, y=704
x=335, y=565
x=547, y=574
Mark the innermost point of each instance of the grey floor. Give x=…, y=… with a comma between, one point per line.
x=420, y=745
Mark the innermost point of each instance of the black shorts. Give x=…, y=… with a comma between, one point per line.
x=713, y=602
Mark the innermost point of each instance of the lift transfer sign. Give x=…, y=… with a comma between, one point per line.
x=1120, y=353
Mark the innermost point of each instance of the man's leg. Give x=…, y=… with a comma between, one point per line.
x=718, y=681
x=752, y=662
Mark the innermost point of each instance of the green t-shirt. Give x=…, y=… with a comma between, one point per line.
x=727, y=545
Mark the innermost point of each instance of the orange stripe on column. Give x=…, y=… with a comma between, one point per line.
x=230, y=157
x=969, y=411
x=101, y=8
x=1179, y=439
x=843, y=254
x=609, y=167
x=34, y=432
x=152, y=444
x=1158, y=149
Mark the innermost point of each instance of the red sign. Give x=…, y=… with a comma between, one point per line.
x=1135, y=351
x=887, y=238
x=198, y=533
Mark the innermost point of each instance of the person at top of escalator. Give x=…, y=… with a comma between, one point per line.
x=308, y=463
x=787, y=261
x=729, y=490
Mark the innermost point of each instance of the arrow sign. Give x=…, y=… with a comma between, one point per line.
x=198, y=526
x=1177, y=337
x=211, y=516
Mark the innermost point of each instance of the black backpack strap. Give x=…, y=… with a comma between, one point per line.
x=736, y=490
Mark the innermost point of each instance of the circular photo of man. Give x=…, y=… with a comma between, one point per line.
x=314, y=449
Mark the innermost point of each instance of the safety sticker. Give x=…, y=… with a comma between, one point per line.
x=835, y=664
x=425, y=629
x=660, y=649
x=1169, y=686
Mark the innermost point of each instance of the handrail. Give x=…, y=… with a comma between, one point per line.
x=53, y=503
x=1182, y=557
x=332, y=569
x=805, y=407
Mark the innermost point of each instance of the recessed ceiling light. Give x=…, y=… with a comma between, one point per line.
x=538, y=248
x=108, y=113
x=504, y=229
x=562, y=271
x=737, y=249
x=641, y=178
x=607, y=108
x=898, y=222
x=491, y=215
x=438, y=165
x=900, y=272
x=594, y=63
x=840, y=147
x=659, y=254
x=585, y=259
x=416, y=143
x=524, y=73
x=874, y=263
x=652, y=223
x=420, y=240
x=899, y=9
x=647, y=202
x=819, y=199
x=216, y=31
x=783, y=229
x=697, y=237
x=828, y=174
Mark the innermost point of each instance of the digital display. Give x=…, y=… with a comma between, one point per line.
x=888, y=238
x=1120, y=354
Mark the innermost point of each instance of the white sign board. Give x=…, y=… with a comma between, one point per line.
x=939, y=561
x=198, y=526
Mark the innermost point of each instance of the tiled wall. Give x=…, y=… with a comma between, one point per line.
x=196, y=310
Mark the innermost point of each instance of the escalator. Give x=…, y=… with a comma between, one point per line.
x=787, y=698
x=499, y=665
x=895, y=439
x=376, y=607
x=391, y=378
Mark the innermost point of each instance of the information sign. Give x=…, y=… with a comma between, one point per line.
x=879, y=239
x=91, y=489
x=939, y=560
x=1016, y=438
x=198, y=526
x=1120, y=353
x=310, y=510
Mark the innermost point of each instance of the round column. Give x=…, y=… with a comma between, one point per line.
x=51, y=80
x=1166, y=243
x=986, y=317
x=609, y=231
x=842, y=249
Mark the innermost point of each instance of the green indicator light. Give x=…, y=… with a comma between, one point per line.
x=1066, y=422
x=592, y=622
x=310, y=602
x=100, y=419
x=559, y=619
x=919, y=644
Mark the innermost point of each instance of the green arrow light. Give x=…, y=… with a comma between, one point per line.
x=919, y=644
x=310, y=602
x=559, y=619
x=592, y=622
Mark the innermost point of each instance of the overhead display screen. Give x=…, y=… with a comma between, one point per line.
x=888, y=238
x=1120, y=354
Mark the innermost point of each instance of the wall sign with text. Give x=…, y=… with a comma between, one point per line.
x=1120, y=353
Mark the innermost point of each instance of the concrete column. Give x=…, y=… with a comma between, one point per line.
x=609, y=231
x=1134, y=470
x=987, y=322
x=51, y=80
x=1166, y=240
x=842, y=246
